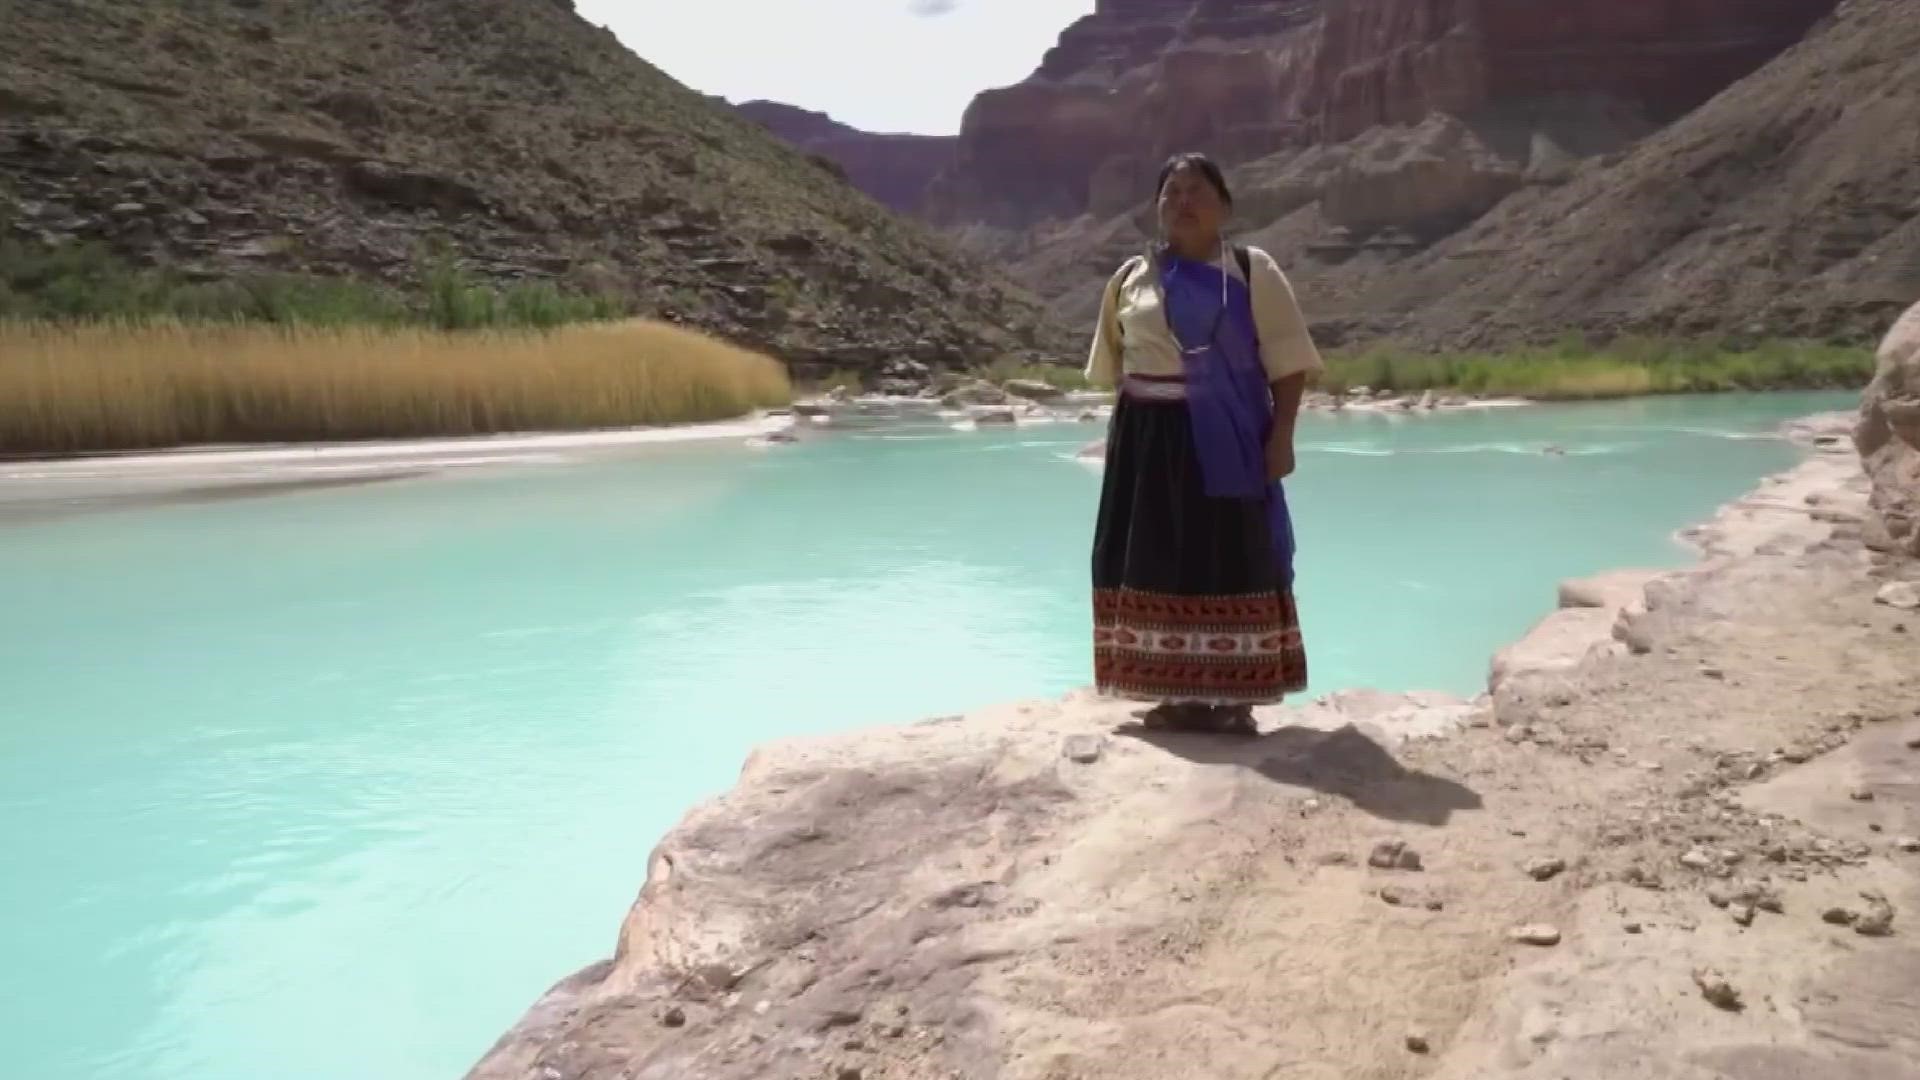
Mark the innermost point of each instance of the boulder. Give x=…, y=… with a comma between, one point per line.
x=1614, y=591
x=1900, y=595
x=1888, y=438
x=1033, y=389
x=978, y=392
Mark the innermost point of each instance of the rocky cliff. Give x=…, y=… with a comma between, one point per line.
x=1889, y=438
x=340, y=137
x=1786, y=205
x=895, y=169
x=1139, y=79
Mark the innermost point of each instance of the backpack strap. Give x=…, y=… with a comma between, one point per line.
x=1120, y=275
x=1242, y=256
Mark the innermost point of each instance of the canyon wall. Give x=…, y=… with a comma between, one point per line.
x=895, y=169
x=1140, y=79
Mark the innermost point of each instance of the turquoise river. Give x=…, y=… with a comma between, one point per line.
x=331, y=785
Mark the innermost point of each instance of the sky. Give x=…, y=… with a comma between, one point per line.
x=881, y=65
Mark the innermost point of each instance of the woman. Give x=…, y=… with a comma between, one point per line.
x=1193, y=549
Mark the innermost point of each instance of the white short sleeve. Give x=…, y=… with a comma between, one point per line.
x=1286, y=347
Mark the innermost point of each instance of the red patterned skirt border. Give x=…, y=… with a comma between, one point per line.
x=1217, y=650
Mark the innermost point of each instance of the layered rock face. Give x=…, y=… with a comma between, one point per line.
x=1889, y=438
x=1786, y=207
x=1139, y=79
x=895, y=169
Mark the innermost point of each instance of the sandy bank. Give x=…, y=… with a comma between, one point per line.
x=1620, y=862
x=45, y=487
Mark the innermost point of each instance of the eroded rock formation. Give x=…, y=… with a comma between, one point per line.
x=1889, y=438
x=1139, y=79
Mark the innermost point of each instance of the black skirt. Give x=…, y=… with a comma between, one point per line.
x=1189, y=603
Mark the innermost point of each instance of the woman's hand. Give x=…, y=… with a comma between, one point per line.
x=1280, y=457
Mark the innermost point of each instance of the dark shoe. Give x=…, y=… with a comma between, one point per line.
x=1176, y=716
x=1233, y=720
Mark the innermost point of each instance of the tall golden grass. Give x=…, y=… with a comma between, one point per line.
x=102, y=386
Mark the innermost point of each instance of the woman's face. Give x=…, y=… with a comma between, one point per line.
x=1190, y=207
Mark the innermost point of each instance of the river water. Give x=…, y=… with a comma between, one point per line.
x=333, y=784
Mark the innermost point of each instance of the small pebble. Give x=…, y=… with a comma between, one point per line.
x=1538, y=934
x=1839, y=916
x=1861, y=794
x=1634, y=928
x=1914, y=743
x=1742, y=914
x=1908, y=844
x=1716, y=989
x=1394, y=855
x=1878, y=920
x=1697, y=859
x=1418, y=1043
x=851, y=1072
x=1083, y=749
x=1546, y=869
x=674, y=1017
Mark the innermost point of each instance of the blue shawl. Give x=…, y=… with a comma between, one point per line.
x=1210, y=313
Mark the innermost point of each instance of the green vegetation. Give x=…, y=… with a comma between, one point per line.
x=86, y=281
x=1571, y=369
x=88, y=386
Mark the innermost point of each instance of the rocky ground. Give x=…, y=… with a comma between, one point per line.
x=1676, y=841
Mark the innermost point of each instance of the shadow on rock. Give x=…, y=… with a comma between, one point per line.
x=1342, y=762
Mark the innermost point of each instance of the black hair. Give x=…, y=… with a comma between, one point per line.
x=1199, y=163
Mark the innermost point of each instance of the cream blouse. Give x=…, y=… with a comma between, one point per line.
x=1132, y=336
